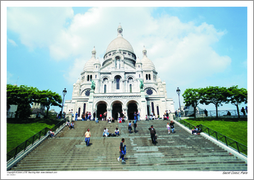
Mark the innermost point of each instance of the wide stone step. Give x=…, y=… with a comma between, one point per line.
x=139, y=155
x=175, y=152
x=156, y=167
x=138, y=163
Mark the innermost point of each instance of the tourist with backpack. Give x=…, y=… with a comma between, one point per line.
x=129, y=126
x=172, y=126
x=122, y=151
x=153, y=134
x=135, y=125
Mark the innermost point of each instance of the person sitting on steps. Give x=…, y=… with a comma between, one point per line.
x=72, y=125
x=117, y=132
x=194, y=131
x=109, y=120
x=105, y=132
x=51, y=133
x=168, y=127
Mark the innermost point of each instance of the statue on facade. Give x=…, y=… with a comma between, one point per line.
x=141, y=84
x=93, y=85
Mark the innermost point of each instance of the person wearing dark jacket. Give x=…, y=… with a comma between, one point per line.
x=153, y=134
x=172, y=126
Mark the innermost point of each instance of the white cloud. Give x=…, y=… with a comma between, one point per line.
x=12, y=42
x=176, y=48
x=75, y=70
x=38, y=26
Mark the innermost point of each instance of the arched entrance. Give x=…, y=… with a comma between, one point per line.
x=132, y=107
x=101, y=108
x=116, y=109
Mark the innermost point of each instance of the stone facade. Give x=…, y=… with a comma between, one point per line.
x=117, y=84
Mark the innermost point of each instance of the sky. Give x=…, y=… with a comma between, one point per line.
x=191, y=45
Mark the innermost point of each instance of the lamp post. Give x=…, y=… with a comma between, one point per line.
x=178, y=91
x=64, y=93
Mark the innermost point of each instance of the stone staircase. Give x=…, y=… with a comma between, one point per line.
x=179, y=151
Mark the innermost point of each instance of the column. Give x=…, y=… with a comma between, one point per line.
x=125, y=113
x=90, y=102
x=109, y=112
x=126, y=86
x=143, y=108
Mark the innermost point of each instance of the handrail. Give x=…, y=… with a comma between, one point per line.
x=211, y=113
x=219, y=137
x=30, y=141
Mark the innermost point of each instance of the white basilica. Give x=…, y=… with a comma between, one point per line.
x=117, y=84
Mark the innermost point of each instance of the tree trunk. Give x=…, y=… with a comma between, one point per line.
x=216, y=107
x=194, y=111
x=47, y=112
x=237, y=111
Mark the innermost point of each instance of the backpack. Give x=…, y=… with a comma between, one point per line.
x=153, y=131
x=124, y=149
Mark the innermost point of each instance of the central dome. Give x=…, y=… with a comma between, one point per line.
x=119, y=42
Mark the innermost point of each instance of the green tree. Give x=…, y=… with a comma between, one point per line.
x=24, y=96
x=191, y=98
x=237, y=96
x=48, y=98
x=21, y=96
x=214, y=95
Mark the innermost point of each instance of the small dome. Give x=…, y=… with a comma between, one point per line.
x=119, y=42
x=138, y=61
x=159, y=79
x=90, y=63
x=147, y=64
x=97, y=61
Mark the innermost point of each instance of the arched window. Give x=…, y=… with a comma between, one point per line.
x=117, y=82
x=87, y=77
x=90, y=77
x=79, y=111
x=130, y=88
x=152, y=107
x=146, y=76
x=158, y=113
x=149, y=76
x=105, y=88
x=130, y=79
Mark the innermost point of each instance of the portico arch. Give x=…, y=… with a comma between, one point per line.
x=116, y=109
x=101, y=108
x=132, y=106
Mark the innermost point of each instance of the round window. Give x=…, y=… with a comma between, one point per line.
x=87, y=93
x=149, y=91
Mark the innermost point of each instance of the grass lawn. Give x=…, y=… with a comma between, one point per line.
x=18, y=133
x=234, y=130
